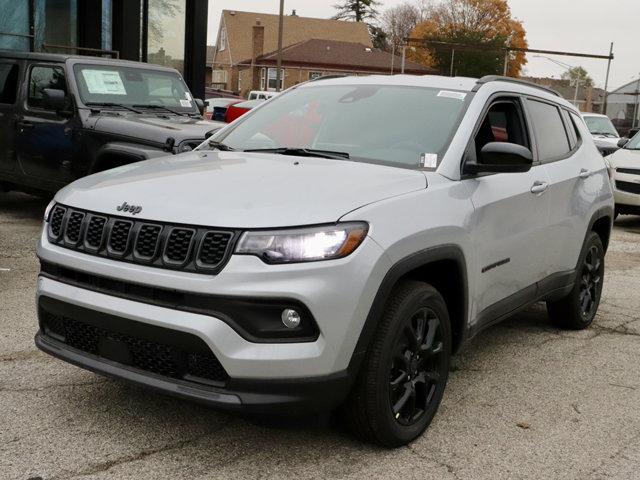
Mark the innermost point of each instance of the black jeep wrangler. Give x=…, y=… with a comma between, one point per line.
x=63, y=117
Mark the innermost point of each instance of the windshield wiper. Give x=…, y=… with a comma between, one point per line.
x=112, y=105
x=161, y=107
x=221, y=146
x=302, y=152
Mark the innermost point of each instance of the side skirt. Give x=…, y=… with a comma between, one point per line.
x=553, y=287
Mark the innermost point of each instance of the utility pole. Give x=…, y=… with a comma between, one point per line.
x=453, y=57
x=279, y=62
x=404, y=58
x=635, y=107
x=606, y=82
x=575, y=82
x=506, y=62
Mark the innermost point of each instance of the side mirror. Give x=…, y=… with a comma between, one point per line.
x=501, y=157
x=622, y=142
x=200, y=104
x=54, y=99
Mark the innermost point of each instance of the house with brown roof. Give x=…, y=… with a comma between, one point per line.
x=245, y=56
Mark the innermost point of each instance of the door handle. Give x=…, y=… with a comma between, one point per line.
x=584, y=173
x=25, y=125
x=539, y=187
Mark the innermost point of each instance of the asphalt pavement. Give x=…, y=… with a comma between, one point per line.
x=524, y=400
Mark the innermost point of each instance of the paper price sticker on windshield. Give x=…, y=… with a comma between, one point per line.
x=450, y=94
x=429, y=160
x=185, y=103
x=104, y=82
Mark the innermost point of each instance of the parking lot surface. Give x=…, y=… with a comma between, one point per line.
x=524, y=400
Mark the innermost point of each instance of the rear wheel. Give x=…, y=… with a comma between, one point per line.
x=402, y=380
x=577, y=310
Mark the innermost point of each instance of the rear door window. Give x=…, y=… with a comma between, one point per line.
x=552, y=140
x=8, y=83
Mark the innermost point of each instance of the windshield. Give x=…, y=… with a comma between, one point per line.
x=634, y=143
x=395, y=125
x=131, y=86
x=600, y=126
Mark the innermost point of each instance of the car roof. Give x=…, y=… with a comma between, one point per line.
x=465, y=84
x=63, y=58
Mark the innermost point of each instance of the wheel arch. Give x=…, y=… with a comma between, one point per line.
x=112, y=155
x=444, y=267
x=602, y=223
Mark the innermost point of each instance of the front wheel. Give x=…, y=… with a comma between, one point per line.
x=577, y=310
x=404, y=374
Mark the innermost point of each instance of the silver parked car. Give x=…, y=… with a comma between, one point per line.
x=314, y=256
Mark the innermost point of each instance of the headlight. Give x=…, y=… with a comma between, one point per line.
x=610, y=170
x=304, y=244
x=47, y=210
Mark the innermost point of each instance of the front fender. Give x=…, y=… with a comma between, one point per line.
x=134, y=152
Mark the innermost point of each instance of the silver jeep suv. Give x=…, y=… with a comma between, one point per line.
x=331, y=249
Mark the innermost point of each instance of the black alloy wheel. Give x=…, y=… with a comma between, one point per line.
x=590, y=280
x=578, y=309
x=404, y=373
x=416, y=366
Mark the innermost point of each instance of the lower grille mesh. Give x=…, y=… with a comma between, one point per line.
x=145, y=354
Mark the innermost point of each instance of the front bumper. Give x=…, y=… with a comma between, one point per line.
x=624, y=187
x=292, y=397
x=296, y=377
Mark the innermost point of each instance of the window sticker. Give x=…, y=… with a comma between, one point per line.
x=450, y=94
x=104, y=82
x=185, y=103
x=429, y=160
x=187, y=95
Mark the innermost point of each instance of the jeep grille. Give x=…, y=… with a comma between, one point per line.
x=161, y=245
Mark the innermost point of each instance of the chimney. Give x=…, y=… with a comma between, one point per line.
x=258, y=41
x=257, y=51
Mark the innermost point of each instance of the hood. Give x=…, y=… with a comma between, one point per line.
x=156, y=128
x=625, y=158
x=607, y=142
x=241, y=190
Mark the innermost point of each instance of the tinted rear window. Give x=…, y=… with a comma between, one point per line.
x=8, y=83
x=553, y=142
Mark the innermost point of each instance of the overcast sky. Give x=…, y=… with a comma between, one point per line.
x=586, y=26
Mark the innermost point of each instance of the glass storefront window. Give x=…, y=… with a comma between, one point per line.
x=56, y=23
x=166, y=32
x=14, y=22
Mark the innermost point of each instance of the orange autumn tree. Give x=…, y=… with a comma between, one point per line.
x=486, y=23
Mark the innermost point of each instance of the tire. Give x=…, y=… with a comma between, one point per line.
x=577, y=310
x=404, y=373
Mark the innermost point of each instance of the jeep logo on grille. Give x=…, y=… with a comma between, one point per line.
x=132, y=209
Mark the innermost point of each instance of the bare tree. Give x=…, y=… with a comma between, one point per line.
x=398, y=22
x=159, y=12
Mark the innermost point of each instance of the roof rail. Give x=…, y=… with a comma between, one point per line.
x=499, y=78
x=328, y=77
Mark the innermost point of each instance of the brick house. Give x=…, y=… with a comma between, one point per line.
x=245, y=56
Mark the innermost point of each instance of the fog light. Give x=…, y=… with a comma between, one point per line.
x=290, y=318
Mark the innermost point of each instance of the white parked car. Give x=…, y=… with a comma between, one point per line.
x=624, y=170
x=604, y=133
